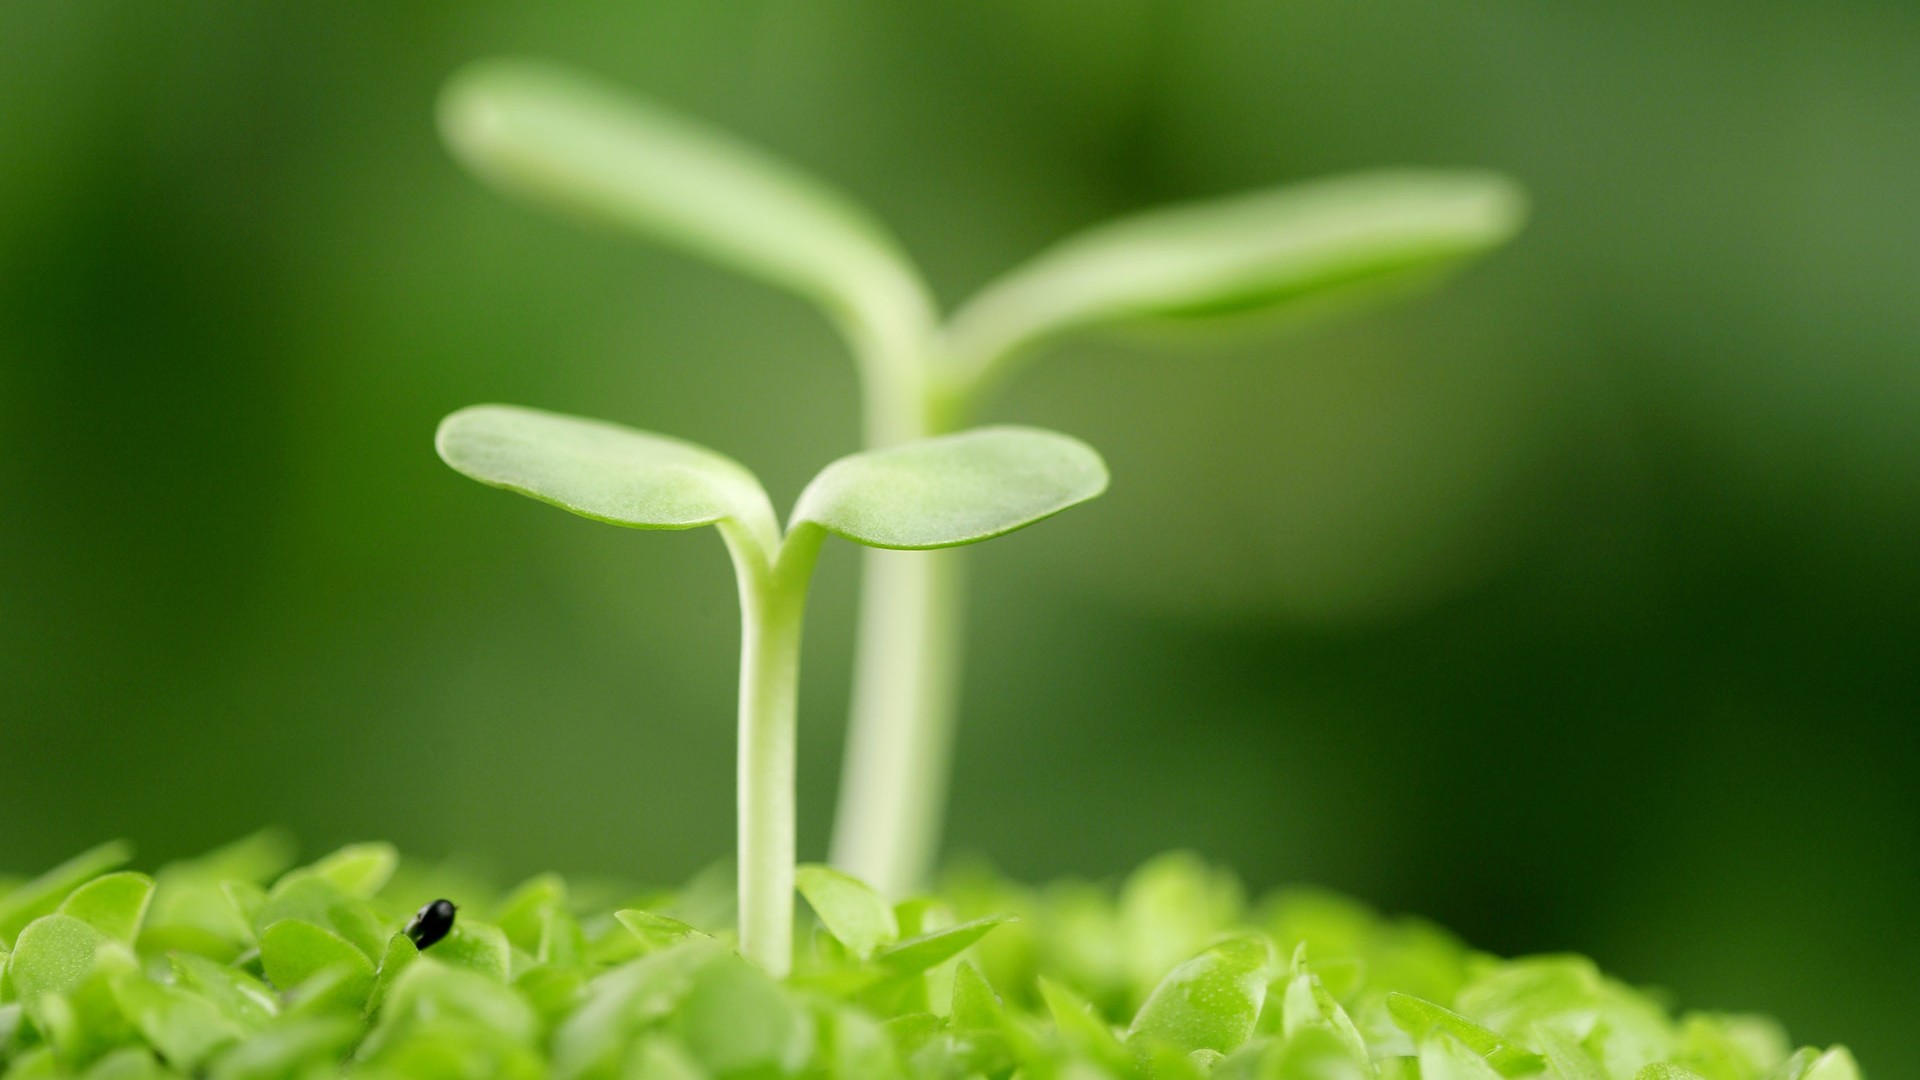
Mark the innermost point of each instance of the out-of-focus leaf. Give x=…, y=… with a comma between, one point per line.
x=736, y=1022
x=294, y=951
x=43, y=894
x=478, y=946
x=114, y=904
x=951, y=490
x=918, y=954
x=1242, y=253
x=359, y=870
x=306, y=1047
x=1421, y=1019
x=239, y=996
x=569, y=141
x=186, y=1028
x=860, y=918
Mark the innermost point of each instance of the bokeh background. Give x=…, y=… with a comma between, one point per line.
x=1575, y=605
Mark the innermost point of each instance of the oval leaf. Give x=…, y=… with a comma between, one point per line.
x=53, y=955
x=1240, y=253
x=43, y=894
x=849, y=908
x=602, y=471
x=360, y=869
x=956, y=489
x=114, y=904
x=569, y=141
x=1211, y=1002
x=1422, y=1019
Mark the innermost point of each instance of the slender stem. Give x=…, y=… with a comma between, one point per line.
x=906, y=682
x=893, y=787
x=773, y=600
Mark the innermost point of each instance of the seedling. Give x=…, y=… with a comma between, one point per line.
x=570, y=142
x=931, y=493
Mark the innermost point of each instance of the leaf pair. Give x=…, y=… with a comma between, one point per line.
x=575, y=143
x=935, y=493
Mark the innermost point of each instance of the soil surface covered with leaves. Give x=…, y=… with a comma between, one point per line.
x=234, y=966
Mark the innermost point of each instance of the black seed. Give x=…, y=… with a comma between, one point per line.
x=431, y=923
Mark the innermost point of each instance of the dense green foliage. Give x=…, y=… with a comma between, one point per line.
x=233, y=966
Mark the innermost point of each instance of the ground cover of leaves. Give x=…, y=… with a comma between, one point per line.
x=235, y=966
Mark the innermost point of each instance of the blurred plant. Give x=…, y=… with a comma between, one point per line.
x=566, y=141
x=231, y=966
x=932, y=493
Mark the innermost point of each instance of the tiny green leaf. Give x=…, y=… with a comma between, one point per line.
x=1244, y=252
x=186, y=1028
x=1666, y=1072
x=478, y=946
x=305, y=1047
x=53, y=955
x=566, y=140
x=1566, y=1059
x=657, y=930
x=603, y=471
x=1211, y=1002
x=917, y=954
x=359, y=870
x=43, y=894
x=951, y=490
x=860, y=918
x=293, y=951
x=1421, y=1018
x=114, y=904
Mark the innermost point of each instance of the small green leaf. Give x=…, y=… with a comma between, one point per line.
x=43, y=894
x=359, y=870
x=657, y=930
x=917, y=954
x=114, y=904
x=603, y=471
x=1835, y=1064
x=1446, y=1058
x=852, y=912
x=1666, y=1072
x=400, y=955
x=1420, y=1019
x=1082, y=1029
x=1566, y=1058
x=1244, y=252
x=54, y=954
x=1210, y=1002
x=186, y=1028
x=737, y=1022
x=240, y=997
x=565, y=140
x=477, y=946
x=951, y=490
x=522, y=916
x=304, y=1047
x=294, y=952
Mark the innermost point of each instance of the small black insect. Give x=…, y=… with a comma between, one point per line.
x=431, y=923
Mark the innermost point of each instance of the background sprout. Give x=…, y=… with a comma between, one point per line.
x=934, y=493
x=573, y=143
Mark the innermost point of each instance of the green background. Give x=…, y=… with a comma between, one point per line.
x=1575, y=605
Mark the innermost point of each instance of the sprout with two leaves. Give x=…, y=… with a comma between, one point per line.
x=573, y=143
x=933, y=493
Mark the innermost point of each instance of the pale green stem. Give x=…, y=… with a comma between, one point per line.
x=893, y=786
x=906, y=686
x=773, y=599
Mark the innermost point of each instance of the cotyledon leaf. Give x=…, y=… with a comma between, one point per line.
x=1242, y=252
x=44, y=893
x=113, y=903
x=603, y=471
x=1210, y=1002
x=952, y=490
x=570, y=141
x=860, y=918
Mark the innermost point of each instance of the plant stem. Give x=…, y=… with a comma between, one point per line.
x=893, y=786
x=906, y=680
x=773, y=597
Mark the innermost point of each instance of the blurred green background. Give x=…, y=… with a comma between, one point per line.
x=1575, y=605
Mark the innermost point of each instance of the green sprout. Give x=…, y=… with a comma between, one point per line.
x=566, y=141
x=933, y=493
